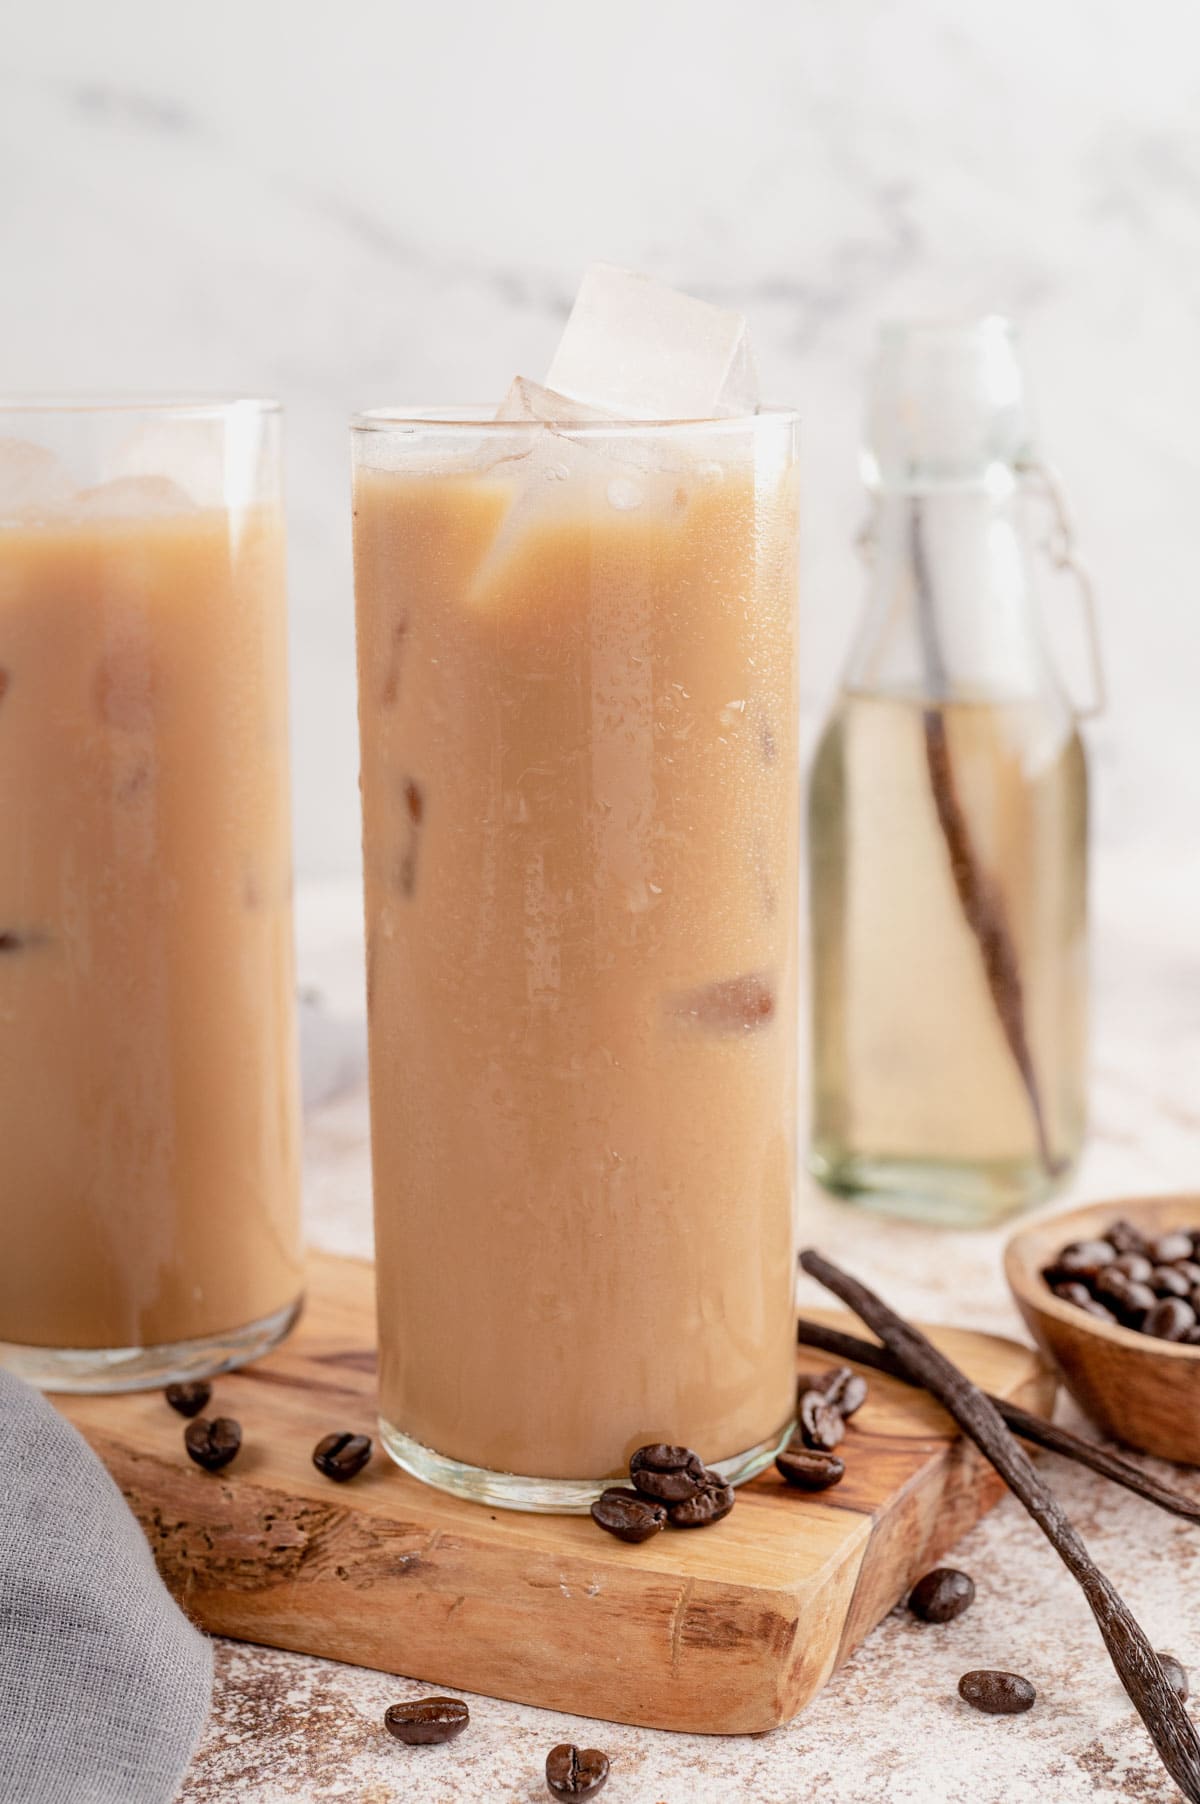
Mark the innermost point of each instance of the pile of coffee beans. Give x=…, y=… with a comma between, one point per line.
x=667, y=1485
x=1147, y=1282
x=825, y=1401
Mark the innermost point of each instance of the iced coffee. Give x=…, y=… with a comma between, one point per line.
x=148, y=1098
x=579, y=779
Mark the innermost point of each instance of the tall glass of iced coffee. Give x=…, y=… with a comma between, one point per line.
x=579, y=778
x=148, y=1099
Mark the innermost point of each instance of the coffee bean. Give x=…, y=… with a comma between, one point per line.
x=428, y=1722
x=212, y=1444
x=1192, y=1337
x=1170, y=1319
x=1128, y=1299
x=189, y=1398
x=1187, y=1268
x=627, y=1515
x=997, y=1693
x=807, y=1470
x=667, y=1473
x=821, y=1425
x=1071, y=1292
x=1101, y=1314
x=1170, y=1247
x=1081, y=1297
x=712, y=1502
x=575, y=1773
x=845, y=1391
x=1176, y=1675
x=1169, y=1281
x=942, y=1595
x=1112, y=1285
x=342, y=1456
x=1123, y=1237
x=1084, y=1258
x=1135, y=1266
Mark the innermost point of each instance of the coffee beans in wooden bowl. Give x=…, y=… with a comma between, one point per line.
x=1109, y=1294
x=1145, y=1281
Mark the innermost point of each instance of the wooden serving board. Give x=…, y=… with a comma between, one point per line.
x=727, y=1629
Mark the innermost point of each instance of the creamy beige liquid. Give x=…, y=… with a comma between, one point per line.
x=579, y=773
x=915, y=1081
x=148, y=1105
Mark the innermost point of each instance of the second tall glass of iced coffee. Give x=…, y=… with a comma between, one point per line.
x=579, y=775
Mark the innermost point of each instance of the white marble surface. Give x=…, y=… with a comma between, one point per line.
x=888, y=1729
x=392, y=202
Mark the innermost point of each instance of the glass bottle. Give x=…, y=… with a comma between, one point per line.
x=948, y=817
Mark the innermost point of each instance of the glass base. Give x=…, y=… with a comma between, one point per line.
x=96, y=1370
x=946, y=1195
x=545, y=1496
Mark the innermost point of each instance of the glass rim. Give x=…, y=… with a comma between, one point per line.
x=481, y=417
x=197, y=406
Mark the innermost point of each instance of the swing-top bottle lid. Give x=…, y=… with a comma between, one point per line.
x=946, y=404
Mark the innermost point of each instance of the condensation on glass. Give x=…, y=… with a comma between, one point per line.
x=148, y=1084
x=580, y=790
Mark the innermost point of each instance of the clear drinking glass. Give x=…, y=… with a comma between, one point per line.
x=580, y=792
x=148, y=1094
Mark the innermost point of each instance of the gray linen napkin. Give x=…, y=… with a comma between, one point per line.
x=104, y=1683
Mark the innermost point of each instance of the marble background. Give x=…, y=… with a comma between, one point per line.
x=392, y=202
x=349, y=206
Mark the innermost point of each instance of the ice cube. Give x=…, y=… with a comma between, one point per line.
x=556, y=478
x=133, y=498
x=633, y=453
x=730, y=1005
x=33, y=483
x=196, y=452
x=528, y=400
x=645, y=352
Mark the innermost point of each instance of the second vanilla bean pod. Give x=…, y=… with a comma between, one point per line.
x=1075, y=1447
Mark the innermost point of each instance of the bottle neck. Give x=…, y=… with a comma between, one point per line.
x=951, y=612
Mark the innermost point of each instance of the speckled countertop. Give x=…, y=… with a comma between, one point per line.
x=888, y=1729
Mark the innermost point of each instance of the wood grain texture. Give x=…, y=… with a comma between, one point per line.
x=1139, y=1390
x=724, y=1630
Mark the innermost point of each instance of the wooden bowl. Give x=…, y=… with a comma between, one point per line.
x=1139, y=1390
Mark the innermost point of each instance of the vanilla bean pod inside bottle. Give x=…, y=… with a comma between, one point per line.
x=948, y=815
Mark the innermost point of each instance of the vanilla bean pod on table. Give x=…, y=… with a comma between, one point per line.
x=1137, y=1665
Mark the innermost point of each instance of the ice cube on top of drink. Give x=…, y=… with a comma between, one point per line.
x=641, y=351
x=528, y=400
